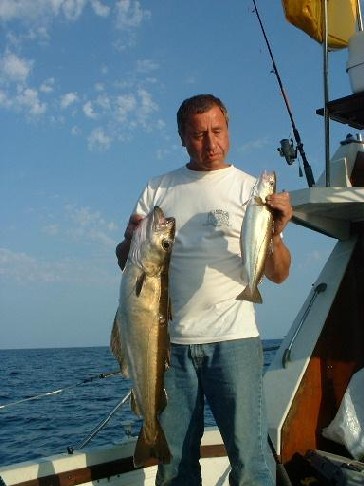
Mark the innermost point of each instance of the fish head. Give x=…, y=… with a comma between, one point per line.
x=152, y=242
x=266, y=185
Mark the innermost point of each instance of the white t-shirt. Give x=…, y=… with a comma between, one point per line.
x=205, y=273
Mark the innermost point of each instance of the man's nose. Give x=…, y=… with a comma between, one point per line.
x=210, y=141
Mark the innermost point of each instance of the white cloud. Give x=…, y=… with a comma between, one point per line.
x=146, y=65
x=104, y=102
x=89, y=110
x=122, y=115
x=4, y=100
x=47, y=86
x=28, y=100
x=125, y=104
x=99, y=87
x=51, y=229
x=130, y=14
x=90, y=226
x=72, y=9
x=38, y=33
x=25, y=269
x=33, y=9
x=27, y=10
x=146, y=108
x=98, y=139
x=14, y=74
x=68, y=99
x=100, y=9
x=14, y=68
x=83, y=226
x=254, y=145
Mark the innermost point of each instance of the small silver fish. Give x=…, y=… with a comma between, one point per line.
x=139, y=338
x=256, y=235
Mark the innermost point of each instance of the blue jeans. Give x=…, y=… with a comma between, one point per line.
x=229, y=375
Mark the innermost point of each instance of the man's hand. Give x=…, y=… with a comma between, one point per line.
x=278, y=262
x=122, y=249
x=133, y=223
x=280, y=203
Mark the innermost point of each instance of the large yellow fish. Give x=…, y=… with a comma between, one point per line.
x=139, y=339
x=256, y=235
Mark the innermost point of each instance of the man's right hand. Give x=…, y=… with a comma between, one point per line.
x=122, y=249
x=133, y=223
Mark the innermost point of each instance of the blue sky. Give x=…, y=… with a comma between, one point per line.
x=88, y=95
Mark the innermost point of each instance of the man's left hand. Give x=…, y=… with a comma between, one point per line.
x=280, y=203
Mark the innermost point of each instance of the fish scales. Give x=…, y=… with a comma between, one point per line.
x=139, y=338
x=256, y=235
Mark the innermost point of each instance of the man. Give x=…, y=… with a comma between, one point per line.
x=216, y=351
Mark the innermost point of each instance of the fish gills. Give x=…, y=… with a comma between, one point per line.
x=139, y=339
x=256, y=236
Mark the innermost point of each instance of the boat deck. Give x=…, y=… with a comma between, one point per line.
x=348, y=110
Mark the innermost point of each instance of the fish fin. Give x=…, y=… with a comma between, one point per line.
x=134, y=405
x=139, y=284
x=116, y=345
x=250, y=295
x=145, y=451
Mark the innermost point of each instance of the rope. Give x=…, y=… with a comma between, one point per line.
x=61, y=390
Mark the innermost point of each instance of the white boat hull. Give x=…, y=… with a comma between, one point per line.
x=112, y=466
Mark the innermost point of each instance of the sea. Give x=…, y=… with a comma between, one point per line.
x=59, y=399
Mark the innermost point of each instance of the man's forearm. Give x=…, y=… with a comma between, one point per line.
x=278, y=261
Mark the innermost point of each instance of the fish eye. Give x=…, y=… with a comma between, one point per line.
x=166, y=244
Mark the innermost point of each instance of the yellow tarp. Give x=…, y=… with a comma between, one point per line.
x=308, y=15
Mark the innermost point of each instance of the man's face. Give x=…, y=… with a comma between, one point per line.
x=206, y=138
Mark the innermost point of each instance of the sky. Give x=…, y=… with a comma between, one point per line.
x=89, y=91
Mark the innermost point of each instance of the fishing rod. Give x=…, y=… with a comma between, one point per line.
x=287, y=149
x=100, y=426
x=61, y=390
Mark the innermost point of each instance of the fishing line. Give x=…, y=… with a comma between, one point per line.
x=306, y=165
x=100, y=426
x=61, y=390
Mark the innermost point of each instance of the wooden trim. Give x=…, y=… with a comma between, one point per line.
x=339, y=352
x=107, y=470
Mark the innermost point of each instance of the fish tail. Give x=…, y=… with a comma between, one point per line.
x=253, y=295
x=158, y=449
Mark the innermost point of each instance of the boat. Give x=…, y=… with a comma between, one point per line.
x=312, y=370
x=309, y=375
x=310, y=382
x=112, y=466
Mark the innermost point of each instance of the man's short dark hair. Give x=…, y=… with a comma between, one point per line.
x=198, y=104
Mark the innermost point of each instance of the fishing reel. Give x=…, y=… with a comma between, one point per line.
x=287, y=150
